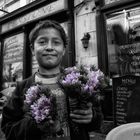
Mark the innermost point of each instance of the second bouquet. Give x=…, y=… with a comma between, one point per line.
x=83, y=84
x=41, y=106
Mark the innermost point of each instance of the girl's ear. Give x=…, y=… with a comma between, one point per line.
x=32, y=49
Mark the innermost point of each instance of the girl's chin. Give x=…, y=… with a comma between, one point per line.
x=51, y=65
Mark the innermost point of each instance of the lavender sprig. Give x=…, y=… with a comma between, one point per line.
x=41, y=108
x=32, y=94
x=40, y=102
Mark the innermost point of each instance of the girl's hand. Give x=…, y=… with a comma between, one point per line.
x=82, y=116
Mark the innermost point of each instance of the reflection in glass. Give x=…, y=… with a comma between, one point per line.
x=13, y=60
x=123, y=38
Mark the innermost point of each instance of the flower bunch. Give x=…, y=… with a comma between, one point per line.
x=40, y=102
x=83, y=82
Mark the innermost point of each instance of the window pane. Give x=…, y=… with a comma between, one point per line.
x=13, y=60
x=123, y=37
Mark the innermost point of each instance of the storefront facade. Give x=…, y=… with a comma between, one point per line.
x=114, y=44
x=118, y=36
x=17, y=62
x=118, y=44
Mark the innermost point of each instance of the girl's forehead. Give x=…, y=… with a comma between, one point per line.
x=49, y=31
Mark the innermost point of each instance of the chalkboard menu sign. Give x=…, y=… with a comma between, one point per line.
x=126, y=99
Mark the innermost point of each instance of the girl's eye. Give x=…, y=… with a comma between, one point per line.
x=42, y=42
x=57, y=42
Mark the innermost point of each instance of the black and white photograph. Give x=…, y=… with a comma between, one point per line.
x=69, y=69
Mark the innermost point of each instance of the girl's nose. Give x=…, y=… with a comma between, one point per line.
x=48, y=46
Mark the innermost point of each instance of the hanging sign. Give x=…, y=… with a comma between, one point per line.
x=36, y=14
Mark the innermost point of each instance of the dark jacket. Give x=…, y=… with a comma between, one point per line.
x=17, y=125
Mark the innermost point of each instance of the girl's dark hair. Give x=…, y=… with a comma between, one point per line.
x=44, y=25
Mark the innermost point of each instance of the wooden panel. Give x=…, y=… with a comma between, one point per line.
x=85, y=23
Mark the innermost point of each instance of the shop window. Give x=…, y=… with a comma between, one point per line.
x=13, y=60
x=123, y=40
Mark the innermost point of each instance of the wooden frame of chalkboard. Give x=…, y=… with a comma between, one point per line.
x=126, y=99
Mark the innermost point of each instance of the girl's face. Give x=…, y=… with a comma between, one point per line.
x=49, y=48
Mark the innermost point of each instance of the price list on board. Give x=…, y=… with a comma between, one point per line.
x=126, y=97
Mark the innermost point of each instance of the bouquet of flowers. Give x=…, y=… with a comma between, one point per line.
x=83, y=84
x=41, y=104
